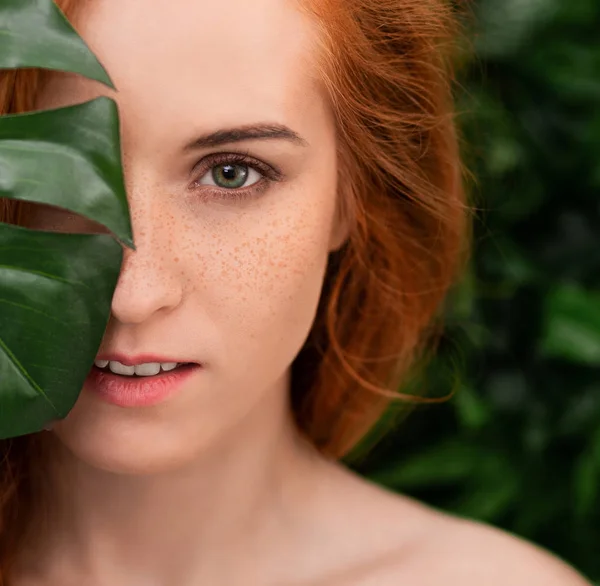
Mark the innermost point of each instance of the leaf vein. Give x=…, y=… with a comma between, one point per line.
x=26, y=375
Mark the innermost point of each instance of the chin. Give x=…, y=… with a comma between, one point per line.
x=124, y=441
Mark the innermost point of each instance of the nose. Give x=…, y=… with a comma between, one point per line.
x=149, y=281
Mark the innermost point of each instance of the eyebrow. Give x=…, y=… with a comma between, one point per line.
x=247, y=132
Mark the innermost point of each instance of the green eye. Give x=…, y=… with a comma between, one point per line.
x=231, y=176
x=234, y=176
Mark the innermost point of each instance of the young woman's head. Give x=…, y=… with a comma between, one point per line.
x=303, y=249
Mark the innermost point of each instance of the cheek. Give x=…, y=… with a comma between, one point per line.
x=269, y=284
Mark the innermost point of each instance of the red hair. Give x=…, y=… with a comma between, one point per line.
x=386, y=68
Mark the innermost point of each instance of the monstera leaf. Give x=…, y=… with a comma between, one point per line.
x=55, y=289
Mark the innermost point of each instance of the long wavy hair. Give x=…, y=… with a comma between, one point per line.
x=388, y=70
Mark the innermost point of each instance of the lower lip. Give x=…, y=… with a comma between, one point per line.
x=140, y=391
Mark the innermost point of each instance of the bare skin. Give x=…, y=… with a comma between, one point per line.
x=215, y=486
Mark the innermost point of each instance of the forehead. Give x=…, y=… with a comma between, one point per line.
x=254, y=56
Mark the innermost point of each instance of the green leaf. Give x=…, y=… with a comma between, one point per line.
x=55, y=295
x=35, y=33
x=572, y=325
x=586, y=477
x=508, y=25
x=55, y=289
x=45, y=154
x=442, y=464
x=493, y=491
x=472, y=411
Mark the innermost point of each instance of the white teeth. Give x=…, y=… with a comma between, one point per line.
x=119, y=368
x=148, y=369
x=168, y=365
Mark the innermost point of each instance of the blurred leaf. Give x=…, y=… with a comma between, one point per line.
x=442, y=464
x=493, y=492
x=586, y=477
x=509, y=24
x=583, y=413
x=504, y=155
x=507, y=390
x=473, y=412
x=572, y=318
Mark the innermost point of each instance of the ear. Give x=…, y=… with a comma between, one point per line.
x=345, y=214
x=339, y=234
x=342, y=222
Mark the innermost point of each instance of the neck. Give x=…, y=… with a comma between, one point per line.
x=206, y=519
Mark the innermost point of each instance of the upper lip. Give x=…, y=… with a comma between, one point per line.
x=139, y=359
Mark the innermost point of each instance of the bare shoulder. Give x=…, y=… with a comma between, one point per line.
x=467, y=552
x=464, y=552
x=433, y=548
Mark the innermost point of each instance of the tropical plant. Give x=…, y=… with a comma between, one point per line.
x=55, y=288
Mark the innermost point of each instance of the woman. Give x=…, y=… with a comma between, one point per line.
x=294, y=181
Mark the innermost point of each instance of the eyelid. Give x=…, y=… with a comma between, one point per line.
x=236, y=158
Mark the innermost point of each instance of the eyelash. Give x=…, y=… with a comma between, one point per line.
x=269, y=174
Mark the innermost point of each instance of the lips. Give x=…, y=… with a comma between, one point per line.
x=139, y=391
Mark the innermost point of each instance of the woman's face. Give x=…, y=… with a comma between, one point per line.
x=230, y=260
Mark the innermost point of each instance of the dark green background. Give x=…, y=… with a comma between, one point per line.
x=519, y=444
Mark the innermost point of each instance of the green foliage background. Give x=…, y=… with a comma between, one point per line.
x=519, y=444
